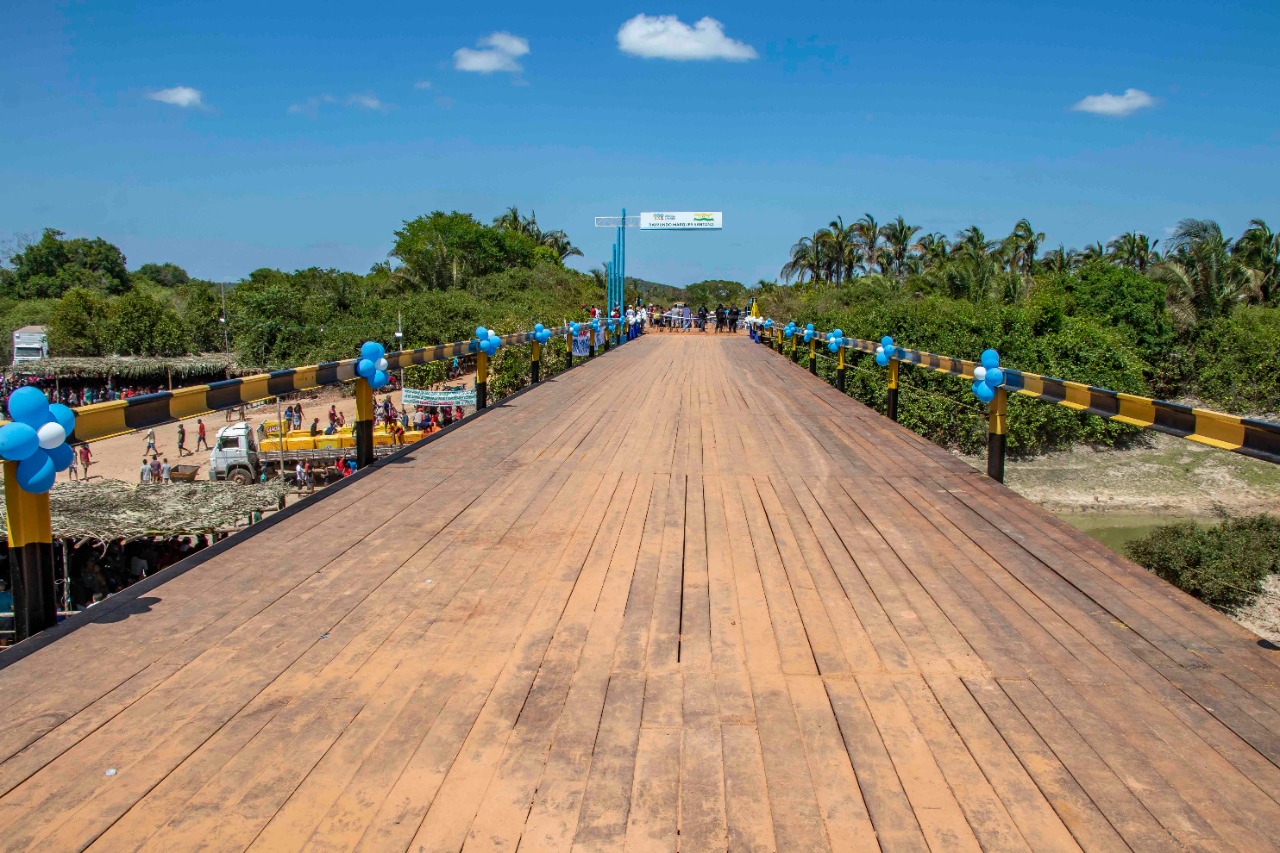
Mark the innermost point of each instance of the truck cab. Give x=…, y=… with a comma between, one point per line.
x=30, y=343
x=234, y=455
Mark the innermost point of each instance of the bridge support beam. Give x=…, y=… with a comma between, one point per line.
x=363, y=425
x=891, y=403
x=31, y=571
x=997, y=424
x=482, y=381
x=535, y=362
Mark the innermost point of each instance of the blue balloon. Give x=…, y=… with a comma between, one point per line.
x=882, y=359
x=372, y=350
x=378, y=379
x=30, y=406
x=493, y=335
x=839, y=333
x=983, y=392
x=364, y=367
x=995, y=377
x=61, y=456
x=537, y=327
x=834, y=346
x=808, y=327
x=18, y=441
x=64, y=416
x=990, y=358
x=482, y=332
x=36, y=473
x=886, y=342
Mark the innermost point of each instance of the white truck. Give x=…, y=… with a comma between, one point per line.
x=30, y=343
x=237, y=456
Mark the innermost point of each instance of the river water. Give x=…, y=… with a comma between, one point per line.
x=1114, y=530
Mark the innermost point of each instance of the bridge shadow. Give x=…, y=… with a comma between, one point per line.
x=1269, y=646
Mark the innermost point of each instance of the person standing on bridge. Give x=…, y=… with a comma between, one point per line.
x=720, y=318
x=734, y=315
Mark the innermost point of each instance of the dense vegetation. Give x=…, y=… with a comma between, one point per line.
x=448, y=274
x=1201, y=320
x=1223, y=565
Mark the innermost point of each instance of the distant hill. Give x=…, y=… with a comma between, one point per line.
x=652, y=291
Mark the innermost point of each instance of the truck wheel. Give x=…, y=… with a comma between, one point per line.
x=241, y=477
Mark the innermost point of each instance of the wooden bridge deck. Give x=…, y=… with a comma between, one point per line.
x=683, y=597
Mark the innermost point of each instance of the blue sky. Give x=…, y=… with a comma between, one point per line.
x=229, y=136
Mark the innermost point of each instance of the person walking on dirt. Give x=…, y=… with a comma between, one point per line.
x=151, y=441
x=182, y=440
x=166, y=472
x=86, y=458
x=201, y=438
x=144, y=473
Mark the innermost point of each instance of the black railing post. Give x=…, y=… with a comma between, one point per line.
x=535, y=362
x=840, y=368
x=482, y=381
x=795, y=349
x=997, y=417
x=31, y=570
x=813, y=355
x=568, y=350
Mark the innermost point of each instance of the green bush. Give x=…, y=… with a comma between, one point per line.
x=1032, y=337
x=1222, y=565
x=1236, y=361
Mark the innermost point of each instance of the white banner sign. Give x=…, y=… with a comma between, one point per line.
x=680, y=221
x=419, y=397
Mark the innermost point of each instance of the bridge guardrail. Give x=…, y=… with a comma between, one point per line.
x=1250, y=437
x=104, y=420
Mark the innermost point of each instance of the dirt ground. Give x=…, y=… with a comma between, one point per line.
x=120, y=458
x=1168, y=477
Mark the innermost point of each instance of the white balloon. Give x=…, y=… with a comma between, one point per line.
x=51, y=435
x=980, y=373
x=380, y=364
x=879, y=350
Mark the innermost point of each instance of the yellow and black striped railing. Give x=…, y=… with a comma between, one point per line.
x=1247, y=436
x=103, y=420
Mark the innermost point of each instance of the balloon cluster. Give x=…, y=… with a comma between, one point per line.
x=885, y=351
x=987, y=376
x=809, y=333
x=487, y=341
x=540, y=333
x=835, y=340
x=768, y=323
x=372, y=366
x=574, y=329
x=790, y=329
x=37, y=439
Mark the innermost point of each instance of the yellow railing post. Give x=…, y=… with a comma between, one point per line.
x=535, y=361
x=840, y=368
x=813, y=355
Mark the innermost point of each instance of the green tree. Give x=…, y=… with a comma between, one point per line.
x=443, y=250
x=1135, y=250
x=140, y=324
x=1259, y=251
x=200, y=309
x=52, y=265
x=898, y=236
x=76, y=323
x=167, y=275
x=1204, y=280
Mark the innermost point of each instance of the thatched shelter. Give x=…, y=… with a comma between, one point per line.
x=178, y=368
x=110, y=510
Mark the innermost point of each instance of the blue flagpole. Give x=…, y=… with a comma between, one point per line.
x=622, y=260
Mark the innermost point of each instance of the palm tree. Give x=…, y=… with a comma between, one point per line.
x=558, y=242
x=866, y=233
x=806, y=259
x=1093, y=252
x=932, y=250
x=1061, y=259
x=1202, y=277
x=974, y=267
x=1258, y=249
x=1135, y=250
x=897, y=236
x=1021, y=248
x=510, y=220
x=839, y=250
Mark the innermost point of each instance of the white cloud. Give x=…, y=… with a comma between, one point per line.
x=422, y=84
x=179, y=96
x=667, y=37
x=1107, y=104
x=311, y=106
x=498, y=52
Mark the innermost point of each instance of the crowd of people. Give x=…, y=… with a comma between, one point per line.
x=682, y=317
x=74, y=393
